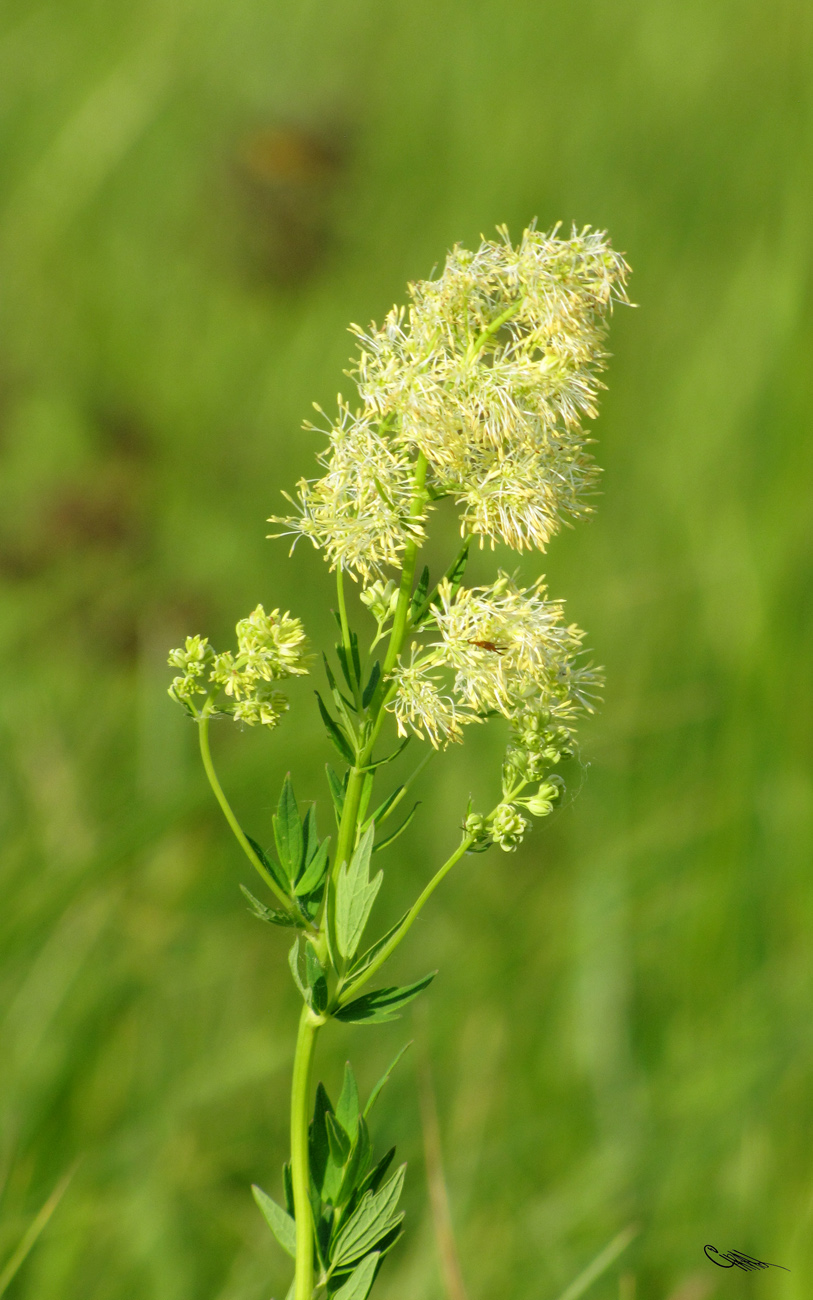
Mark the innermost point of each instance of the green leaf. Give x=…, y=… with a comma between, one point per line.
x=313, y=874
x=376, y=1175
x=346, y=667
x=330, y=927
x=384, y=809
x=293, y=962
x=454, y=573
x=268, y=914
x=372, y=682
x=355, y=895
x=337, y=790
x=366, y=791
x=280, y=1223
x=382, y=1004
x=419, y=594
x=337, y=1140
x=341, y=701
x=316, y=981
x=390, y=839
x=354, y=652
x=347, y=1107
x=270, y=865
x=367, y=958
x=375, y=1216
x=288, y=831
x=318, y=1149
x=310, y=835
x=357, y=1163
x=373, y=1097
x=357, y=1286
x=456, y=570
x=335, y=732
x=288, y=1187
x=399, y=749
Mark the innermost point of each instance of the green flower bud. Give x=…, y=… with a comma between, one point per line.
x=508, y=827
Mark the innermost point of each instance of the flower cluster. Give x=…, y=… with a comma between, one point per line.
x=358, y=512
x=509, y=652
x=487, y=379
x=270, y=647
x=500, y=649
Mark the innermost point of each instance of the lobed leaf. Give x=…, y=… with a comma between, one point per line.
x=372, y=682
x=347, y=1107
x=314, y=872
x=337, y=1140
x=355, y=895
x=358, y=1284
x=419, y=594
x=270, y=865
x=337, y=791
x=382, y=1004
x=390, y=839
x=335, y=732
x=357, y=1163
x=361, y=963
x=288, y=835
x=373, y=1097
x=269, y=914
x=375, y=1216
x=280, y=1223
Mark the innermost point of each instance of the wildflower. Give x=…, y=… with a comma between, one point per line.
x=195, y=661
x=270, y=647
x=507, y=646
x=419, y=706
x=358, y=512
x=493, y=372
x=381, y=599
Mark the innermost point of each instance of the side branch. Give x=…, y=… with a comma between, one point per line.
x=239, y=834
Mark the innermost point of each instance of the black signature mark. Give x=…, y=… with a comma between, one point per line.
x=736, y=1259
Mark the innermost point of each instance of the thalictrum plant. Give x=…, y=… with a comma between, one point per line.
x=478, y=393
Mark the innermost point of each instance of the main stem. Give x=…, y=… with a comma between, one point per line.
x=300, y=1174
x=408, y=571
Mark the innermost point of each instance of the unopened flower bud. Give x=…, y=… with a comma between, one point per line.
x=542, y=802
x=508, y=827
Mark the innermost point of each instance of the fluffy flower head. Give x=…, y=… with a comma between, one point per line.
x=358, y=512
x=507, y=646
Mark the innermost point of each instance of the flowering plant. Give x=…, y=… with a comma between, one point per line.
x=478, y=394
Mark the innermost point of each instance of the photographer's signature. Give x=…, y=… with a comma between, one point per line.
x=736, y=1259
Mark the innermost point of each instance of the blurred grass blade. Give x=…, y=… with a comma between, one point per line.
x=601, y=1263
x=452, y=1274
x=37, y=1226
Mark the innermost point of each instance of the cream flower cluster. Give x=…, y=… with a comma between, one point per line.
x=358, y=512
x=489, y=377
x=270, y=647
x=507, y=651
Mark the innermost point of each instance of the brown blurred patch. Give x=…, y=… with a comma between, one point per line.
x=287, y=177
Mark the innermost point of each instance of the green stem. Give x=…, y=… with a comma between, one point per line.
x=346, y=841
x=386, y=952
x=477, y=344
x=408, y=571
x=206, y=755
x=300, y=1174
x=343, y=610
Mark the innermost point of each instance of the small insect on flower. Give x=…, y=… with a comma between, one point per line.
x=489, y=645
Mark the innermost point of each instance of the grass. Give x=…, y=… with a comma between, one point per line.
x=195, y=202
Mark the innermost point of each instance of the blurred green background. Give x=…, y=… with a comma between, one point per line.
x=196, y=200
